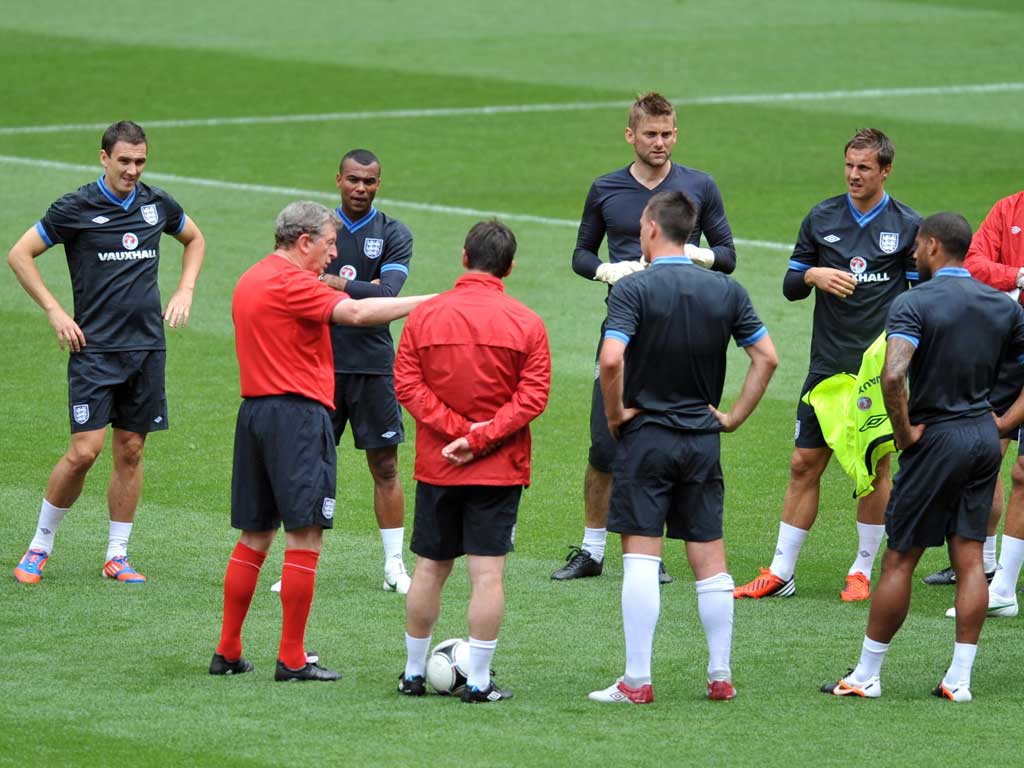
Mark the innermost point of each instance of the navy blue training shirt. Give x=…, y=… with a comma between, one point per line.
x=676, y=320
x=376, y=247
x=617, y=200
x=113, y=251
x=962, y=331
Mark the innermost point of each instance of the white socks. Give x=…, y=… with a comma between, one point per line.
x=960, y=670
x=641, y=605
x=50, y=518
x=416, y=649
x=1011, y=558
x=715, y=606
x=872, y=654
x=593, y=542
x=787, y=550
x=989, y=552
x=392, y=540
x=117, y=544
x=869, y=538
x=480, y=654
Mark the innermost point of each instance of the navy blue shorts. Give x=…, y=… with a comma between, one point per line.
x=455, y=520
x=808, y=432
x=945, y=484
x=368, y=403
x=285, y=465
x=125, y=389
x=667, y=482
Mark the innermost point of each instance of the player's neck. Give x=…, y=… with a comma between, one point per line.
x=354, y=216
x=866, y=205
x=649, y=175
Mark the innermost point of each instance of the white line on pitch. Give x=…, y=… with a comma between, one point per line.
x=295, y=192
x=324, y=117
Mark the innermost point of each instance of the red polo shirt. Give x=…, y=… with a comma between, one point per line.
x=282, y=315
x=474, y=354
x=997, y=249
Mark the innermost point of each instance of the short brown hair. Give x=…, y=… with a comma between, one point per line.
x=124, y=130
x=650, y=105
x=490, y=247
x=951, y=230
x=872, y=138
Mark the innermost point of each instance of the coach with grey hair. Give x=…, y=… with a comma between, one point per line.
x=284, y=465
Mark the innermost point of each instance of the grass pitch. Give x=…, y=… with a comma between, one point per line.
x=96, y=672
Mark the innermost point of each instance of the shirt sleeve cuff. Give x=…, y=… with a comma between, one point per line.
x=42, y=233
x=617, y=335
x=753, y=338
x=906, y=337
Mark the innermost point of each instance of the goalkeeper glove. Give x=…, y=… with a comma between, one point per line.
x=702, y=257
x=612, y=272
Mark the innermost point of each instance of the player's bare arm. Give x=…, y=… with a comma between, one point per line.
x=763, y=362
x=613, y=365
x=22, y=260
x=834, y=281
x=180, y=304
x=898, y=353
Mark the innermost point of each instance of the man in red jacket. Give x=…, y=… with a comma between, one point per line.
x=473, y=368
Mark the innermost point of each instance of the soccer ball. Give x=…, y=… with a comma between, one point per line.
x=448, y=666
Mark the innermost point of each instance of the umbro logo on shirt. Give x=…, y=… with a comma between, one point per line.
x=1015, y=230
x=100, y=220
x=831, y=238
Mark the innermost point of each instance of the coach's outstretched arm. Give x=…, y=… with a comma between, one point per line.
x=22, y=260
x=763, y=362
x=375, y=311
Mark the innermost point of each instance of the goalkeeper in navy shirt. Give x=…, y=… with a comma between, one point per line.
x=613, y=209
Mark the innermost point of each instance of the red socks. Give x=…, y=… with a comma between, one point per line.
x=239, y=586
x=297, y=582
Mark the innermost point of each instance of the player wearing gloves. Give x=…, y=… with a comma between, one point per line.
x=613, y=209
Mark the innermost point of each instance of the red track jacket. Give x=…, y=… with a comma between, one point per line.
x=997, y=250
x=474, y=354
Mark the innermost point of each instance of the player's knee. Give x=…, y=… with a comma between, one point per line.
x=384, y=467
x=82, y=455
x=129, y=452
x=1017, y=474
x=805, y=466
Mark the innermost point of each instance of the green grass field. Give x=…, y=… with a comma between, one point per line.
x=95, y=673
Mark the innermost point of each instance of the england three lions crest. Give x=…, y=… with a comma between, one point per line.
x=889, y=242
x=373, y=247
x=149, y=214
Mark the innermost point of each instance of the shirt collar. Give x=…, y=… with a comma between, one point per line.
x=124, y=204
x=355, y=226
x=670, y=260
x=480, y=279
x=863, y=219
x=952, y=272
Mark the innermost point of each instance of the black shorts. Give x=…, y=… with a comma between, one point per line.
x=667, y=482
x=455, y=520
x=602, y=444
x=368, y=403
x=808, y=431
x=125, y=389
x=944, y=485
x=285, y=466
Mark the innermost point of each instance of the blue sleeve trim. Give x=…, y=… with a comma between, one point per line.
x=181, y=227
x=617, y=335
x=753, y=338
x=1021, y=359
x=913, y=277
x=42, y=233
x=798, y=266
x=912, y=339
x=394, y=268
